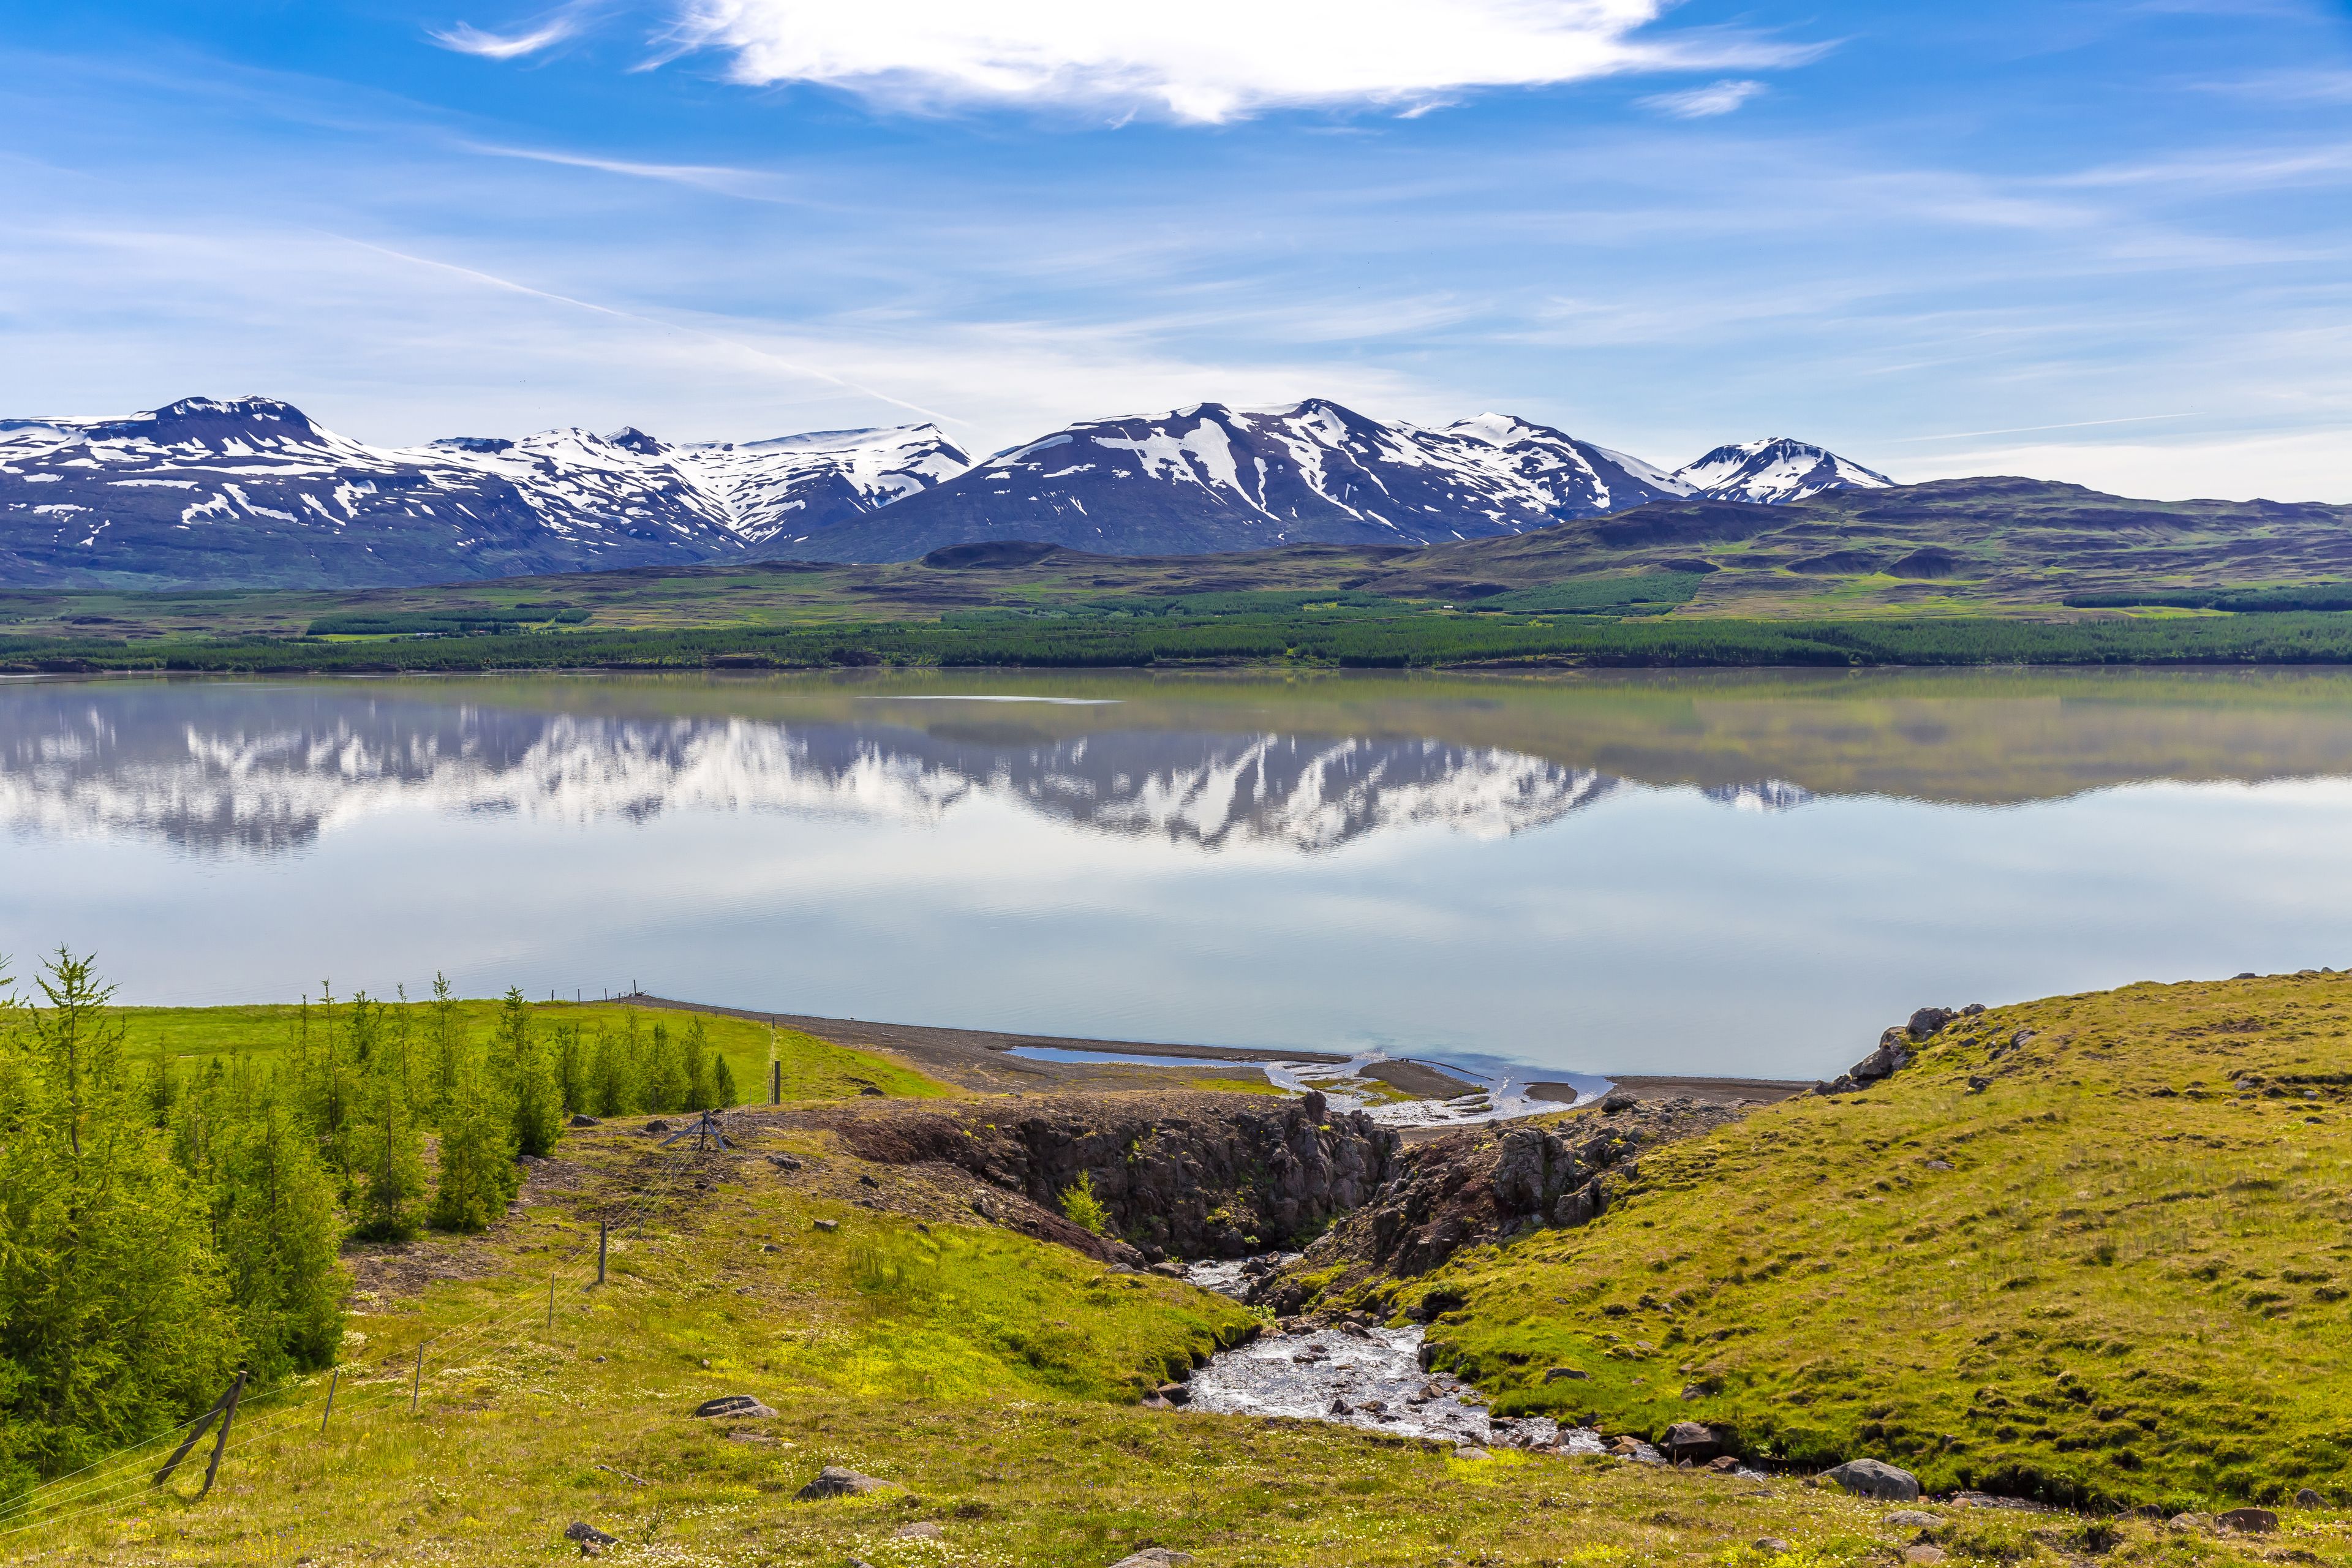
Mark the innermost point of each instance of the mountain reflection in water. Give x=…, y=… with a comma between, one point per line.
x=266, y=772
x=1583, y=874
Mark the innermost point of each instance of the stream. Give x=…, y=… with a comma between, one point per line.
x=1368, y=1377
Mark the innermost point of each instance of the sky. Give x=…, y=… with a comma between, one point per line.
x=2106, y=241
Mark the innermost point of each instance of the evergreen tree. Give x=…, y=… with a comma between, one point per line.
x=328, y=1086
x=275, y=1226
x=665, y=1076
x=387, y=1144
x=80, y=1042
x=722, y=1083
x=114, y=1319
x=572, y=1068
x=615, y=1072
x=695, y=1052
x=529, y=1079
x=478, y=1173
x=448, y=1045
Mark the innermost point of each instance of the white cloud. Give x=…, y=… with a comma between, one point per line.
x=1705, y=102
x=1212, y=60
x=2304, y=465
x=467, y=39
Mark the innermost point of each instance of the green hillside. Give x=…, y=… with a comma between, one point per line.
x=2119, y=1272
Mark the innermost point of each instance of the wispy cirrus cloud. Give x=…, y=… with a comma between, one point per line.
x=1229, y=59
x=551, y=30
x=724, y=179
x=1703, y=102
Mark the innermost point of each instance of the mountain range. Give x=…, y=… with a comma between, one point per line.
x=251, y=492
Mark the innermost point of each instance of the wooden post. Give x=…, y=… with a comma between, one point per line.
x=415, y=1387
x=227, y=1401
x=604, y=1229
x=775, y=1083
x=228, y=1415
x=333, y=1377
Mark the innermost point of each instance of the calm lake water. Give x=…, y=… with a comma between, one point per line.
x=1739, y=874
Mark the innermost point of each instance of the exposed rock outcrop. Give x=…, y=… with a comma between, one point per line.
x=1893, y=1053
x=1195, y=1177
x=1483, y=1183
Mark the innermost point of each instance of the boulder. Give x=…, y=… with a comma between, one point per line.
x=587, y=1535
x=921, y=1529
x=1875, y=1479
x=1928, y=1021
x=656, y=1126
x=578, y=1120
x=1555, y=1373
x=2252, y=1520
x=1723, y=1463
x=834, y=1481
x=1910, y=1519
x=1471, y=1451
x=1154, y=1557
x=740, y=1406
x=1692, y=1440
x=783, y=1162
x=2306, y=1497
x=1772, y=1544
x=828, y=1224
x=1520, y=1172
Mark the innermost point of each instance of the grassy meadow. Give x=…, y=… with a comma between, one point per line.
x=990, y=1378
x=2118, y=1272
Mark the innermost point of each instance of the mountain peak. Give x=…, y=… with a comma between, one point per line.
x=216, y=422
x=629, y=438
x=1775, y=470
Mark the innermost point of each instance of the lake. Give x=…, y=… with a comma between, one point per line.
x=1739, y=874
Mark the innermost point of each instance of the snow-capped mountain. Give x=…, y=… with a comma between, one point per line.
x=1211, y=477
x=251, y=490
x=1774, y=472
x=796, y=486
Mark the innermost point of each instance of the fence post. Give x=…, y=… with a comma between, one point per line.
x=775, y=1083
x=415, y=1387
x=220, y=1443
x=227, y=1401
x=603, y=1231
x=333, y=1377
x=551, y=1301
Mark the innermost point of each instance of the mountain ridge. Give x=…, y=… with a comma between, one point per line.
x=252, y=493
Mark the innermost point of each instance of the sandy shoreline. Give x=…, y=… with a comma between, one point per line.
x=980, y=1059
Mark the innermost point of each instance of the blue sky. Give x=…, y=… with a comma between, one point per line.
x=2087, y=239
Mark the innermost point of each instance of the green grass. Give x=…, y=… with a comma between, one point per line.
x=2131, y=1285
x=1599, y=595
x=813, y=1069
x=1410, y=637
x=991, y=1378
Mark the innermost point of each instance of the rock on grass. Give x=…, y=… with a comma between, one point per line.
x=1875, y=1479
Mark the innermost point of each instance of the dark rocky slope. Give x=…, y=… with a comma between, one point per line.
x=1484, y=1184
x=1201, y=1175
